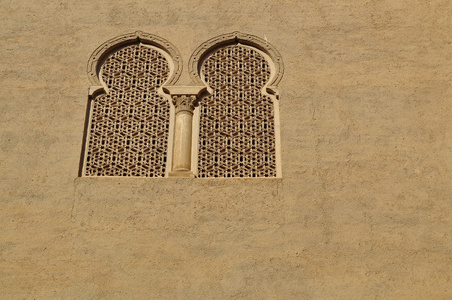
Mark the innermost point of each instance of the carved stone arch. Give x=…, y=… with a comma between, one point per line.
x=232, y=38
x=99, y=55
x=238, y=133
x=128, y=119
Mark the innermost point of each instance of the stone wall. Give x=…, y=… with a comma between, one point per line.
x=363, y=208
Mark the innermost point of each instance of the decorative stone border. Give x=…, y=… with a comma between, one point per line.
x=231, y=38
x=95, y=61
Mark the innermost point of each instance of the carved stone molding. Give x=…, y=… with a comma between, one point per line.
x=96, y=59
x=95, y=90
x=234, y=38
x=184, y=103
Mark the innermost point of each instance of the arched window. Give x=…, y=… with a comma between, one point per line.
x=129, y=120
x=238, y=133
x=225, y=123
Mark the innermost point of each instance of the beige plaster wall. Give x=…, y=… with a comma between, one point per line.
x=363, y=210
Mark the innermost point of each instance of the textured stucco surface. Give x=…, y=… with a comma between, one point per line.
x=363, y=209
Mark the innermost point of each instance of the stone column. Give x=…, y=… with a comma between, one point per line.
x=185, y=99
x=184, y=104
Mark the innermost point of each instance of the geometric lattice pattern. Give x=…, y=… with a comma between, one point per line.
x=237, y=127
x=128, y=132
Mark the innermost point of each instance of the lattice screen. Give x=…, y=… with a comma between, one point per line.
x=128, y=133
x=237, y=127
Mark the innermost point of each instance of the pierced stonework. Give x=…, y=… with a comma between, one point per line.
x=276, y=62
x=128, y=119
x=129, y=125
x=95, y=61
x=237, y=121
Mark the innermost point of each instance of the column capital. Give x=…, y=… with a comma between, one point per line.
x=184, y=103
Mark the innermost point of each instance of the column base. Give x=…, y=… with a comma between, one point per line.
x=181, y=174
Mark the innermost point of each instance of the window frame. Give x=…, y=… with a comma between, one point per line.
x=195, y=90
